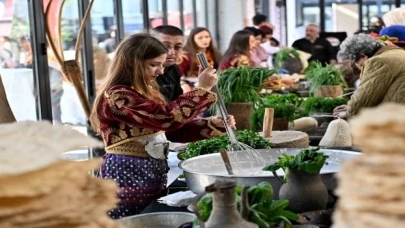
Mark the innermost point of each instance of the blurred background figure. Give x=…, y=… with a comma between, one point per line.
x=199, y=40
x=239, y=50
x=320, y=49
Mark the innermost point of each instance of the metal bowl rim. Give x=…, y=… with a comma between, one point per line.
x=157, y=213
x=227, y=176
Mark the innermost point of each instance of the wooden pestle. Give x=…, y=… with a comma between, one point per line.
x=268, y=122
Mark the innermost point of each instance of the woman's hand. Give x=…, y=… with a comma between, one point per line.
x=340, y=112
x=218, y=122
x=207, y=78
x=340, y=108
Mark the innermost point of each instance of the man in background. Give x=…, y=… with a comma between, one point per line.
x=261, y=20
x=173, y=38
x=320, y=48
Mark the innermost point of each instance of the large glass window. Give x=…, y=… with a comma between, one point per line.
x=201, y=8
x=16, y=59
x=133, y=16
x=155, y=13
x=188, y=16
x=173, y=13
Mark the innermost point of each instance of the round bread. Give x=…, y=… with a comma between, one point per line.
x=28, y=146
x=289, y=139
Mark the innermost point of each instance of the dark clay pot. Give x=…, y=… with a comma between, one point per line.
x=304, y=191
x=242, y=113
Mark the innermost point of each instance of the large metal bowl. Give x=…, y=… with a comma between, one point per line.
x=157, y=220
x=204, y=170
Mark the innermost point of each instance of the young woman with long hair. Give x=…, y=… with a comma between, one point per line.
x=238, y=52
x=134, y=120
x=199, y=40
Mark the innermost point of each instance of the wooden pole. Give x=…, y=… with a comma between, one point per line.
x=268, y=122
x=6, y=115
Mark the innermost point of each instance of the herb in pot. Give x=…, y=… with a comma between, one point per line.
x=263, y=210
x=241, y=85
x=213, y=145
x=308, y=160
x=320, y=104
x=324, y=76
x=284, y=106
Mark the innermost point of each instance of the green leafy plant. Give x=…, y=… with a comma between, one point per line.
x=311, y=105
x=213, y=145
x=241, y=85
x=324, y=76
x=285, y=106
x=263, y=210
x=308, y=160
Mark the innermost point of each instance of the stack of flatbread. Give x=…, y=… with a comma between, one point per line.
x=38, y=189
x=371, y=187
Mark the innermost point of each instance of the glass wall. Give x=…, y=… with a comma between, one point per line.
x=173, y=13
x=188, y=16
x=201, y=9
x=16, y=59
x=133, y=16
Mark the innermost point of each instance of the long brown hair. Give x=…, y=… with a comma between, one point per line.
x=128, y=68
x=239, y=45
x=192, y=48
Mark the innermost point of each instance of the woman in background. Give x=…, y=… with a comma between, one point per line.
x=267, y=45
x=258, y=55
x=199, y=40
x=239, y=51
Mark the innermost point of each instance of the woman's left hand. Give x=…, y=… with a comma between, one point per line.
x=218, y=122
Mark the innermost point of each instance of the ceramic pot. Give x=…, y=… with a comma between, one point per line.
x=242, y=113
x=329, y=91
x=304, y=191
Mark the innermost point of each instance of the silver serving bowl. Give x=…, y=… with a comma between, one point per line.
x=204, y=170
x=157, y=220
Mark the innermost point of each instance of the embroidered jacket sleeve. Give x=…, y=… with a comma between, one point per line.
x=123, y=104
x=184, y=64
x=196, y=129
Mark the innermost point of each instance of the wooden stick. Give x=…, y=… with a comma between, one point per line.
x=268, y=122
x=6, y=114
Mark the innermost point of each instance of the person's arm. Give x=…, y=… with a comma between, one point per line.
x=196, y=129
x=377, y=76
x=125, y=105
x=184, y=64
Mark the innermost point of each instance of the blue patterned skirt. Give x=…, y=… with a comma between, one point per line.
x=141, y=180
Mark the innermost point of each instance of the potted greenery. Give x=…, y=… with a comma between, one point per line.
x=320, y=105
x=284, y=106
x=302, y=184
x=239, y=89
x=325, y=81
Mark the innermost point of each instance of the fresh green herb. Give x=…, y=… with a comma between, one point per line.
x=285, y=106
x=241, y=85
x=311, y=105
x=324, y=76
x=213, y=145
x=308, y=160
x=263, y=210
